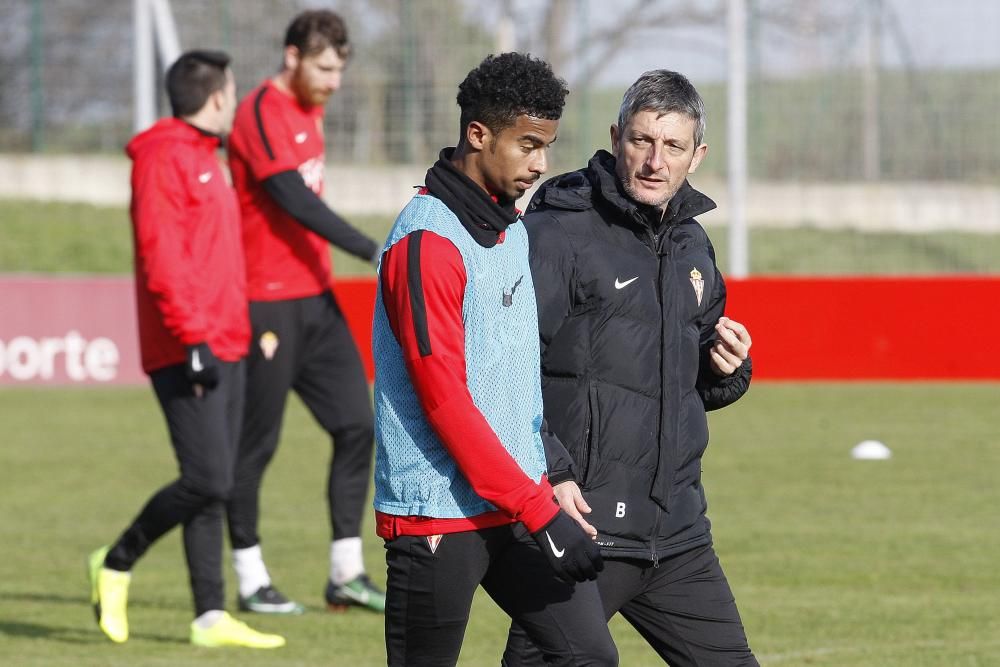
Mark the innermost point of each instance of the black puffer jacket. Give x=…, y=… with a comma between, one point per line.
x=627, y=308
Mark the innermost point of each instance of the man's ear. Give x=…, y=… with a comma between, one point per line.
x=614, y=139
x=477, y=135
x=219, y=99
x=291, y=57
x=699, y=155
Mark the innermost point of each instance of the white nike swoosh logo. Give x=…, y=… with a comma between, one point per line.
x=196, y=362
x=300, y=137
x=619, y=284
x=206, y=177
x=558, y=552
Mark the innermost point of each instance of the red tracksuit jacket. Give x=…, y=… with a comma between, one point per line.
x=190, y=278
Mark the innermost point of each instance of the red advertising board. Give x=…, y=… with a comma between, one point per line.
x=869, y=328
x=65, y=331
x=60, y=331
x=357, y=299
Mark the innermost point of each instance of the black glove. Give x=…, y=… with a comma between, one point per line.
x=571, y=552
x=202, y=368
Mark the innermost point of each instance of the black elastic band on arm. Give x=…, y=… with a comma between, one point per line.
x=416, y=290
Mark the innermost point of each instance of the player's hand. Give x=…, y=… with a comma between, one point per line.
x=571, y=553
x=201, y=368
x=732, y=346
x=570, y=498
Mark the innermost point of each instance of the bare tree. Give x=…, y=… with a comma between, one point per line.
x=593, y=51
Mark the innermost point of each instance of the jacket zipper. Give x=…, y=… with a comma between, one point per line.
x=655, y=247
x=652, y=540
x=655, y=237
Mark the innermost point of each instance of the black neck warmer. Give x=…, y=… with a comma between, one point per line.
x=482, y=217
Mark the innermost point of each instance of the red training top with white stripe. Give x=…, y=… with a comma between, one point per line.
x=189, y=273
x=273, y=133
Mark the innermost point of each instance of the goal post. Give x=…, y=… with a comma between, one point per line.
x=154, y=33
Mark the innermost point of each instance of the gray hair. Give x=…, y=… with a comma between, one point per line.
x=664, y=92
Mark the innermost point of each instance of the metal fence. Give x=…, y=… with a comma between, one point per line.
x=880, y=92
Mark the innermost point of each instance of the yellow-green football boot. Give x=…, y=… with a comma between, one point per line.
x=109, y=596
x=227, y=631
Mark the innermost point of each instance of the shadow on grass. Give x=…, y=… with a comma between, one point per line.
x=84, y=601
x=74, y=635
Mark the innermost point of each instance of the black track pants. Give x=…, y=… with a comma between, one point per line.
x=429, y=595
x=305, y=345
x=204, y=432
x=683, y=608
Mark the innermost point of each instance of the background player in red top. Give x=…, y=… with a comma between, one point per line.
x=300, y=338
x=193, y=333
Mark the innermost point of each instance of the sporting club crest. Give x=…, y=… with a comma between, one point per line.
x=268, y=344
x=698, y=284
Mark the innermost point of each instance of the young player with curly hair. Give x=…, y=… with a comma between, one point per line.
x=461, y=496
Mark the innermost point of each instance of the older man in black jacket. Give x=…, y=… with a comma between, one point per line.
x=635, y=349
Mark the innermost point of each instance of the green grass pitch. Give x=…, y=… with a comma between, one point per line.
x=60, y=238
x=834, y=562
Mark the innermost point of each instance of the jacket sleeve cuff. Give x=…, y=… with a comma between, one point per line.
x=724, y=391
x=557, y=460
x=560, y=476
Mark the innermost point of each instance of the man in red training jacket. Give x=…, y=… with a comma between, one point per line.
x=194, y=332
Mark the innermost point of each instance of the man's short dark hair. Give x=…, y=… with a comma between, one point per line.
x=316, y=30
x=509, y=85
x=193, y=78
